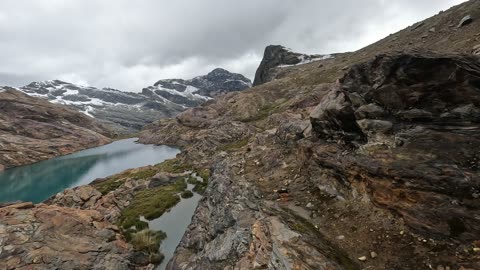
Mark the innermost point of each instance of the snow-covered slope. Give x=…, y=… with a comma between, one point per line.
x=128, y=111
x=199, y=89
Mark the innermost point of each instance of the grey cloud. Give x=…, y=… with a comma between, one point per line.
x=131, y=44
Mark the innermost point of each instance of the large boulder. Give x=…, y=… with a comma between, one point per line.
x=414, y=120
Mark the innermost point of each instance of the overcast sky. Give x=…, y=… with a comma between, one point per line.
x=129, y=44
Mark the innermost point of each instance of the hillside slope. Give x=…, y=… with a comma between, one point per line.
x=33, y=129
x=367, y=160
x=128, y=112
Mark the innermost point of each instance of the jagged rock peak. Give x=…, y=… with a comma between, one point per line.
x=218, y=81
x=278, y=56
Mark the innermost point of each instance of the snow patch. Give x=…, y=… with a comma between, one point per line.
x=306, y=60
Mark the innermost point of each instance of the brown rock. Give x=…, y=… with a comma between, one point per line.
x=33, y=129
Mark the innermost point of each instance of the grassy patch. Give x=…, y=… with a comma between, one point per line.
x=106, y=186
x=144, y=174
x=187, y=194
x=205, y=173
x=116, y=181
x=200, y=187
x=235, y=145
x=151, y=203
x=173, y=166
x=149, y=242
x=263, y=113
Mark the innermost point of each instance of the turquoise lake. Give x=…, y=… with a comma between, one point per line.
x=37, y=182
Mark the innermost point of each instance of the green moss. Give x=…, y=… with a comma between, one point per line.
x=117, y=180
x=151, y=203
x=200, y=187
x=174, y=166
x=205, y=173
x=149, y=242
x=192, y=180
x=300, y=227
x=235, y=145
x=187, y=194
x=265, y=112
x=144, y=174
x=106, y=186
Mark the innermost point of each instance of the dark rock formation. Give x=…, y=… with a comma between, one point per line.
x=465, y=20
x=217, y=82
x=275, y=56
x=420, y=113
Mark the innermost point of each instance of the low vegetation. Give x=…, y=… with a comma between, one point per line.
x=187, y=194
x=149, y=242
x=235, y=145
x=173, y=166
x=151, y=203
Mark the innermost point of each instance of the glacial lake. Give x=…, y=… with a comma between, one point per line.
x=39, y=181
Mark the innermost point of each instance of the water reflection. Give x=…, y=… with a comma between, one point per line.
x=39, y=181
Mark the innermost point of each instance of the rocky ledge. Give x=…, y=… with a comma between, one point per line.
x=52, y=237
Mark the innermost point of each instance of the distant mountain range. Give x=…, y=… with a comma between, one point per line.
x=128, y=112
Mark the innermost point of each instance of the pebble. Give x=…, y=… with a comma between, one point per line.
x=402, y=232
x=309, y=205
x=362, y=259
x=373, y=254
x=341, y=237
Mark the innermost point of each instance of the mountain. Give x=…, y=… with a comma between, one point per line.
x=365, y=160
x=276, y=57
x=128, y=112
x=32, y=129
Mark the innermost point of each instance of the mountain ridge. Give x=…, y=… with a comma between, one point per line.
x=128, y=112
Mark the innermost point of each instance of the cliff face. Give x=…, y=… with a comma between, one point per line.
x=278, y=56
x=32, y=129
x=365, y=160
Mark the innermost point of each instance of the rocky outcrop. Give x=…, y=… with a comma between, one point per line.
x=382, y=161
x=276, y=56
x=217, y=82
x=32, y=129
x=233, y=228
x=52, y=237
x=414, y=119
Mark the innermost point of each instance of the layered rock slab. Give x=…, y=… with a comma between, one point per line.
x=52, y=237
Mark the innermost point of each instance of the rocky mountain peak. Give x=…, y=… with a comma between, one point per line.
x=220, y=74
x=278, y=56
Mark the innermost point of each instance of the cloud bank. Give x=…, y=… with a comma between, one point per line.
x=131, y=44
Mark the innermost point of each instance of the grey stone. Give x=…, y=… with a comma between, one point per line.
x=371, y=111
x=465, y=20
x=375, y=126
